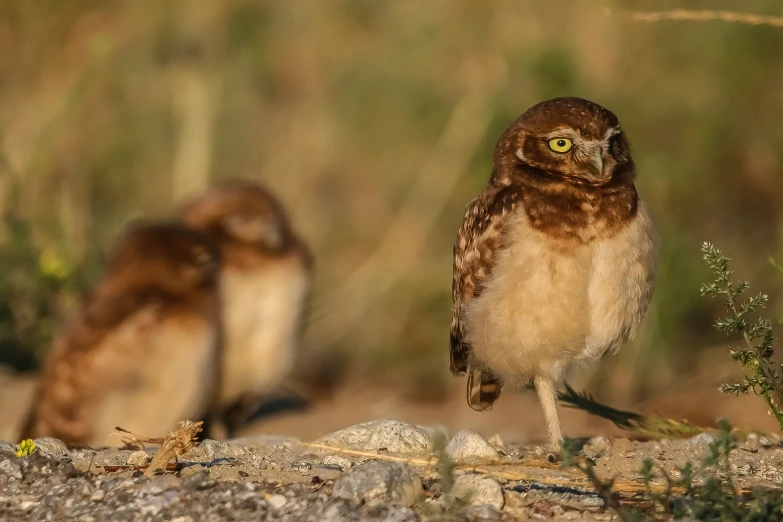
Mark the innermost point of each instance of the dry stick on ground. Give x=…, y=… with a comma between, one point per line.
x=572, y=479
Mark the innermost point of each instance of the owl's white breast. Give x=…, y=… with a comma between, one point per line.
x=262, y=314
x=550, y=303
x=153, y=373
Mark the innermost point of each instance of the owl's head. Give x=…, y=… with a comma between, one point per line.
x=567, y=138
x=240, y=213
x=166, y=256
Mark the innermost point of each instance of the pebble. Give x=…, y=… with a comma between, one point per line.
x=394, y=436
x=216, y=449
x=700, y=441
x=595, y=447
x=478, y=490
x=378, y=483
x=98, y=495
x=6, y=447
x=51, y=447
x=340, y=462
x=277, y=501
x=11, y=468
x=27, y=505
x=497, y=442
x=137, y=458
x=470, y=447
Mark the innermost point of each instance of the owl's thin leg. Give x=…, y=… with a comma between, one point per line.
x=546, y=395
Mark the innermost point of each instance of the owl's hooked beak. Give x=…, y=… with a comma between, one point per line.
x=597, y=160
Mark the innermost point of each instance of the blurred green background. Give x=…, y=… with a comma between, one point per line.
x=374, y=121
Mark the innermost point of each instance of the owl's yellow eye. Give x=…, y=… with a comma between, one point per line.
x=560, y=144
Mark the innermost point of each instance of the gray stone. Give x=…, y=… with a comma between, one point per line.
x=701, y=440
x=394, y=436
x=216, y=449
x=51, y=447
x=336, y=461
x=478, y=490
x=12, y=468
x=470, y=447
x=7, y=447
x=379, y=483
x=137, y=458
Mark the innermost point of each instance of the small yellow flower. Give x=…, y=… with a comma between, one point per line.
x=53, y=265
x=26, y=447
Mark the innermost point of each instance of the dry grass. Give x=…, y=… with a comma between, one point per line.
x=174, y=444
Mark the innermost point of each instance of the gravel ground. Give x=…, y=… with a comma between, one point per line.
x=380, y=470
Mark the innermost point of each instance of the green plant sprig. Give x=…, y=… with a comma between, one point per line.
x=765, y=379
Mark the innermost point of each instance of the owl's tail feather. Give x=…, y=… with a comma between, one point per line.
x=483, y=389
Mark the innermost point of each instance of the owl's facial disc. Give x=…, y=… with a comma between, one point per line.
x=255, y=229
x=568, y=152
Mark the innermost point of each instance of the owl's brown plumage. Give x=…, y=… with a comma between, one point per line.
x=265, y=279
x=554, y=263
x=142, y=351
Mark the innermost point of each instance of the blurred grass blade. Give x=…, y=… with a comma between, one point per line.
x=655, y=427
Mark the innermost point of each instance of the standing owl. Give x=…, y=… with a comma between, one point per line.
x=554, y=263
x=142, y=352
x=265, y=280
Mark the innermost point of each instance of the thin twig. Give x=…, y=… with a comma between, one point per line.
x=691, y=15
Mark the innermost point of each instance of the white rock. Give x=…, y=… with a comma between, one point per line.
x=478, y=490
x=379, y=483
x=27, y=505
x=277, y=501
x=137, y=458
x=394, y=436
x=701, y=440
x=470, y=447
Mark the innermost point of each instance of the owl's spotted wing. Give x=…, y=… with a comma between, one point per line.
x=480, y=238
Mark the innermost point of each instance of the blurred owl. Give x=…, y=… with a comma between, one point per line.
x=554, y=264
x=142, y=352
x=265, y=280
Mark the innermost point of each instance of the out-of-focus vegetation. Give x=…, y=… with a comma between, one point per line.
x=375, y=121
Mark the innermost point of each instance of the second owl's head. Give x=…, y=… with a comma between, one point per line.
x=567, y=138
x=240, y=214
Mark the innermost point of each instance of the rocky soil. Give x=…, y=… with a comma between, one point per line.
x=381, y=470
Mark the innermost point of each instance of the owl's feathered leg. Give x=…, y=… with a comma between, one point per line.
x=546, y=395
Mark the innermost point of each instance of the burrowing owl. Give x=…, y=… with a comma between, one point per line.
x=142, y=351
x=554, y=264
x=265, y=280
